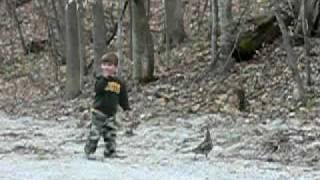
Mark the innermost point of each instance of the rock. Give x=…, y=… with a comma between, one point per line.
x=63, y=118
x=195, y=108
x=292, y=115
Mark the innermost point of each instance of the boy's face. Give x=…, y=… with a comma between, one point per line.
x=108, y=69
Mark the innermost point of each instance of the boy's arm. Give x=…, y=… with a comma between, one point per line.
x=124, y=102
x=100, y=85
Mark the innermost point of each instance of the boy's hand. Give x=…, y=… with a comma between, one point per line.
x=132, y=124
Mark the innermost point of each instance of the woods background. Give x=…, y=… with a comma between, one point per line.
x=207, y=56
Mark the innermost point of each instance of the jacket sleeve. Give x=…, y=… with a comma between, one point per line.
x=100, y=85
x=124, y=102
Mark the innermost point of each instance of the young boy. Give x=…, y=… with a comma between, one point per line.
x=109, y=93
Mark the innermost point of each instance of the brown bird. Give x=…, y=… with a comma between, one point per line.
x=205, y=146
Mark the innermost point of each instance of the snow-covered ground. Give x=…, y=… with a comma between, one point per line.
x=34, y=149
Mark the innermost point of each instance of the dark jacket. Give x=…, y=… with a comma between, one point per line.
x=109, y=93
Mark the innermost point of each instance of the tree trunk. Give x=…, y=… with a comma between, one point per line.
x=138, y=13
x=311, y=14
x=150, y=55
x=148, y=5
x=214, y=33
x=292, y=57
x=73, y=63
x=130, y=31
x=175, y=10
x=99, y=34
x=306, y=34
x=166, y=35
x=226, y=38
x=202, y=15
x=62, y=24
x=143, y=56
x=82, y=50
x=120, y=39
x=11, y=6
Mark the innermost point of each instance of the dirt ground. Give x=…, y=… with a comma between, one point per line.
x=158, y=149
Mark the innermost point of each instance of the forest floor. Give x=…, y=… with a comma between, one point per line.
x=276, y=137
x=42, y=134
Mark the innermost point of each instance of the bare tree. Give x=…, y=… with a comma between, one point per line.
x=82, y=51
x=175, y=10
x=73, y=63
x=292, y=57
x=59, y=21
x=149, y=48
x=52, y=44
x=143, y=56
x=311, y=14
x=214, y=33
x=119, y=37
x=149, y=69
x=130, y=31
x=99, y=34
x=226, y=38
x=166, y=33
x=306, y=35
x=202, y=14
x=11, y=7
x=138, y=12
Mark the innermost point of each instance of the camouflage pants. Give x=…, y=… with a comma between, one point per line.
x=101, y=126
